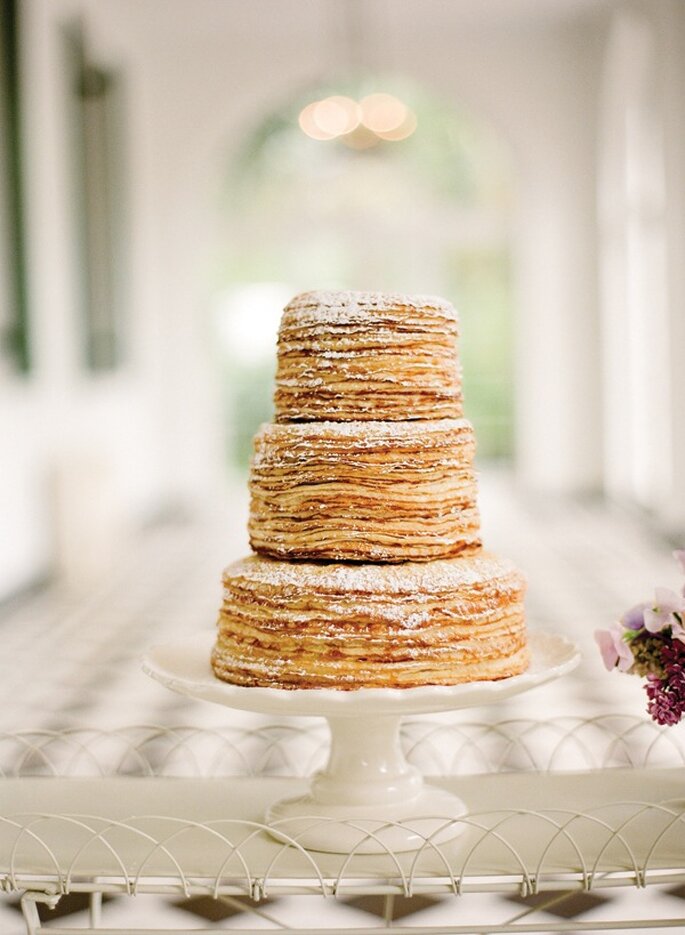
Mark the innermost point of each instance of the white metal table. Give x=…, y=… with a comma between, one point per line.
x=565, y=805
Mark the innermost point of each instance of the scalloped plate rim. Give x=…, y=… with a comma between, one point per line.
x=305, y=701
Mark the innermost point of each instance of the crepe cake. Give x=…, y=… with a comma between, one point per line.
x=347, y=626
x=364, y=491
x=358, y=356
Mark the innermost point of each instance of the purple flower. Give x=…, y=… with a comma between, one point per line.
x=649, y=641
x=614, y=649
x=666, y=696
x=634, y=619
x=661, y=704
x=662, y=614
x=678, y=631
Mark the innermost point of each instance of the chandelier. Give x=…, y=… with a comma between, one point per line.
x=359, y=124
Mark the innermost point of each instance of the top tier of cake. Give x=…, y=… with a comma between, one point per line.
x=358, y=356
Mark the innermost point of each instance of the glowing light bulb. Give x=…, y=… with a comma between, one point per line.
x=309, y=124
x=343, y=113
x=382, y=113
x=331, y=117
x=360, y=125
x=405, y=129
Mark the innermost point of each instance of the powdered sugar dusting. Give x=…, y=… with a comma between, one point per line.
x=443, y=575
x=341, y=306
x=364, y=430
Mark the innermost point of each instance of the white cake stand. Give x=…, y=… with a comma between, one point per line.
x=368, y=797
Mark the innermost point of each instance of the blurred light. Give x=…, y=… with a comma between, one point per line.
x=309, y=124
x=382, y=113
x=405, y=129
x=332, y=117
x=361, y=138
x=338, y=115
x=360, y=125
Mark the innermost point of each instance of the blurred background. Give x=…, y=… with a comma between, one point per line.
x=168, y=181
x=171, y=173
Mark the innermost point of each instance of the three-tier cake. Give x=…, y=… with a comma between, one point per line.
x=369, y=569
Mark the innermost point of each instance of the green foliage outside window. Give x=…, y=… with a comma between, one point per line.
x=482, y=291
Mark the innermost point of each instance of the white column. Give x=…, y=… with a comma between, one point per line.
x=632, y=249
x=642, y=245
x=558, y=419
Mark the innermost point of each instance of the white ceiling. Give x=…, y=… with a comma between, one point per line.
x=184, y=24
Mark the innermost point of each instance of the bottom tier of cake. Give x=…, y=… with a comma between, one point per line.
x=345, y=626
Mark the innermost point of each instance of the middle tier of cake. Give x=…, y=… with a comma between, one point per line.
x=364, y=491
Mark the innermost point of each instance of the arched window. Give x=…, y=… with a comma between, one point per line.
x=428, y=213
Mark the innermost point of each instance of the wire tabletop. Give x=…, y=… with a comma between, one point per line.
x=570, y=805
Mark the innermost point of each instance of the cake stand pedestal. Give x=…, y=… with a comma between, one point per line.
x=368, y=798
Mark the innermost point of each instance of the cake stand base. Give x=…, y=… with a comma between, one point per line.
x=368, y=829
x=368, y=798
